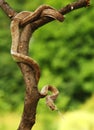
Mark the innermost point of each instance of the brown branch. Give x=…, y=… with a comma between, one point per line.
x=74, y=6
x=69, y=8
x=30, y=104
x=10, y=12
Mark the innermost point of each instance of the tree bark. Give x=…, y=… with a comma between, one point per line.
x=30, y=104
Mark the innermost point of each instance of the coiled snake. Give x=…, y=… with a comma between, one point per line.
x=43, y=10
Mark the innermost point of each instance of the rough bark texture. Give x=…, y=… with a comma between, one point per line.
x=32, y=95
x=30, y=104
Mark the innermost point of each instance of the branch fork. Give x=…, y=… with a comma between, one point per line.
x=29, y=67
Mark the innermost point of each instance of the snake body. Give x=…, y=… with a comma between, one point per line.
x=43, y=10
x=50, y=98
x=15, y=33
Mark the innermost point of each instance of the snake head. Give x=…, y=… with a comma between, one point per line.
x=50, y=103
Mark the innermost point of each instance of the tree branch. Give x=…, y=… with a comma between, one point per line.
x=10, y=12
x=31, y=101
x=69, y=8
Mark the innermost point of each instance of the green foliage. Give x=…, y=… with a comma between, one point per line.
x=64, y=52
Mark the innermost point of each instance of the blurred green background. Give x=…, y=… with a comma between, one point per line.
x=65, y=53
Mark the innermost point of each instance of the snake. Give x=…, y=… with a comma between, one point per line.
x=15, y=28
